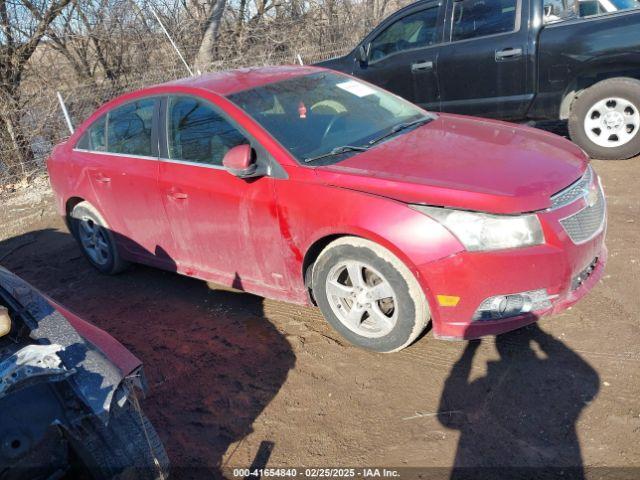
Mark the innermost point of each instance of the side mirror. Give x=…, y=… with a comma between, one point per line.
x=362, y=54
x=239, y=161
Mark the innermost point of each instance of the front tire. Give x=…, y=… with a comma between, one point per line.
x=96, y=240
x=605, y=119
x=369, y=295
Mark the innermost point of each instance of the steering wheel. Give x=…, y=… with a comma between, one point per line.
x=331, y=124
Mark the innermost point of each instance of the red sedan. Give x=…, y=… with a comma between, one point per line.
x=309, y=186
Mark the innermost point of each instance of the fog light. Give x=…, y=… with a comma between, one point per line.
x=5, y=321
x=505, y=306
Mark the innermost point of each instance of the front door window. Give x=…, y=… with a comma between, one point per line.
x=197, y=133
x=413, y=31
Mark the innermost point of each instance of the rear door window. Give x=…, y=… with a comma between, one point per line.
x=197, y=133
x=95, y=138
x=416, y=30
x=480, y=18
x=130, y=129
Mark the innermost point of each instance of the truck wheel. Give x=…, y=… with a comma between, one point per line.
x=368, y=295
x=128, y=448
x=605, y=119
x=95, y=239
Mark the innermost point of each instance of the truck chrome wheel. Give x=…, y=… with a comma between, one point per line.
x=94, y=241
x=612, y=122
x=362, y=299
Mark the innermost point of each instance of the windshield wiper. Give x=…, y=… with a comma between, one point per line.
x=352, y=148
x=337, y=151
x=400, y=127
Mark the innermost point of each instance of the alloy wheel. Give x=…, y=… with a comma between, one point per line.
x=362, y=298
x=94, y=241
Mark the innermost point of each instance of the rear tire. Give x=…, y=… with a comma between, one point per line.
x=96, y=240
x=605, y=119
x=369, y=295
x=120, y=450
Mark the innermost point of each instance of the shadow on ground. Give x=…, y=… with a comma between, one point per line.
x=521, y=415
x=214, y=362
x=212, y=359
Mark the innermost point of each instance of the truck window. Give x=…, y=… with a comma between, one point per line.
x=413, y=31
x=589, y=8
x=479, y=18
x=559, y=10
x=612, y=6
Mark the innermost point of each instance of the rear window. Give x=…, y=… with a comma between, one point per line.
x=560, y=10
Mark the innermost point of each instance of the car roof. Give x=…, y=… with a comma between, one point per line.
x=232, y=81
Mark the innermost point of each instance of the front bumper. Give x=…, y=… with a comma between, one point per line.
x=560, y=266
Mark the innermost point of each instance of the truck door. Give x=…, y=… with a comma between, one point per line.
x=402, y=54
x=483, y=69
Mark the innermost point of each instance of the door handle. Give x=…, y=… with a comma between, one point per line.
x=508, y=53
x=102, y=179
x=177, y=195
x=421, y=66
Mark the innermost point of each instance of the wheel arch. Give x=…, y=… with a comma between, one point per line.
x=70, y=204
x=593, y=74
x=319, y=244
x=310, y=257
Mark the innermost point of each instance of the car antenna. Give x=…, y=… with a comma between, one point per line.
x=65, y=112
x=175, y=47
x=171, y=40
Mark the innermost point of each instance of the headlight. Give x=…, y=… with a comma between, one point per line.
x=482, y=231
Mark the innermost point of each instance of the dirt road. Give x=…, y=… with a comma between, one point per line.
x=231, y=374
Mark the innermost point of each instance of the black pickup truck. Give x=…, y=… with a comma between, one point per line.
x=519, y=60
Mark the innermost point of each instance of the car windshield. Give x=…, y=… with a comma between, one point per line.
x=314, y=116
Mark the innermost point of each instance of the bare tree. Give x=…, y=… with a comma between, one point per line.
x=23, y=25
x=93, y=50
x=375, y=11
x=208, y=15
x=101, y=38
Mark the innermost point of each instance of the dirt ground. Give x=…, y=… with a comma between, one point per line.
x=236, y=380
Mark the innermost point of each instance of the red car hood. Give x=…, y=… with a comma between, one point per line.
x=466, y=163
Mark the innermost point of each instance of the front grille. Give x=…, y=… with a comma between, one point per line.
x=588, y=222
x=574, y=191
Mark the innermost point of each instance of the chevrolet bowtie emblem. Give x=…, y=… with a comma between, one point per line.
x=592, y=196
